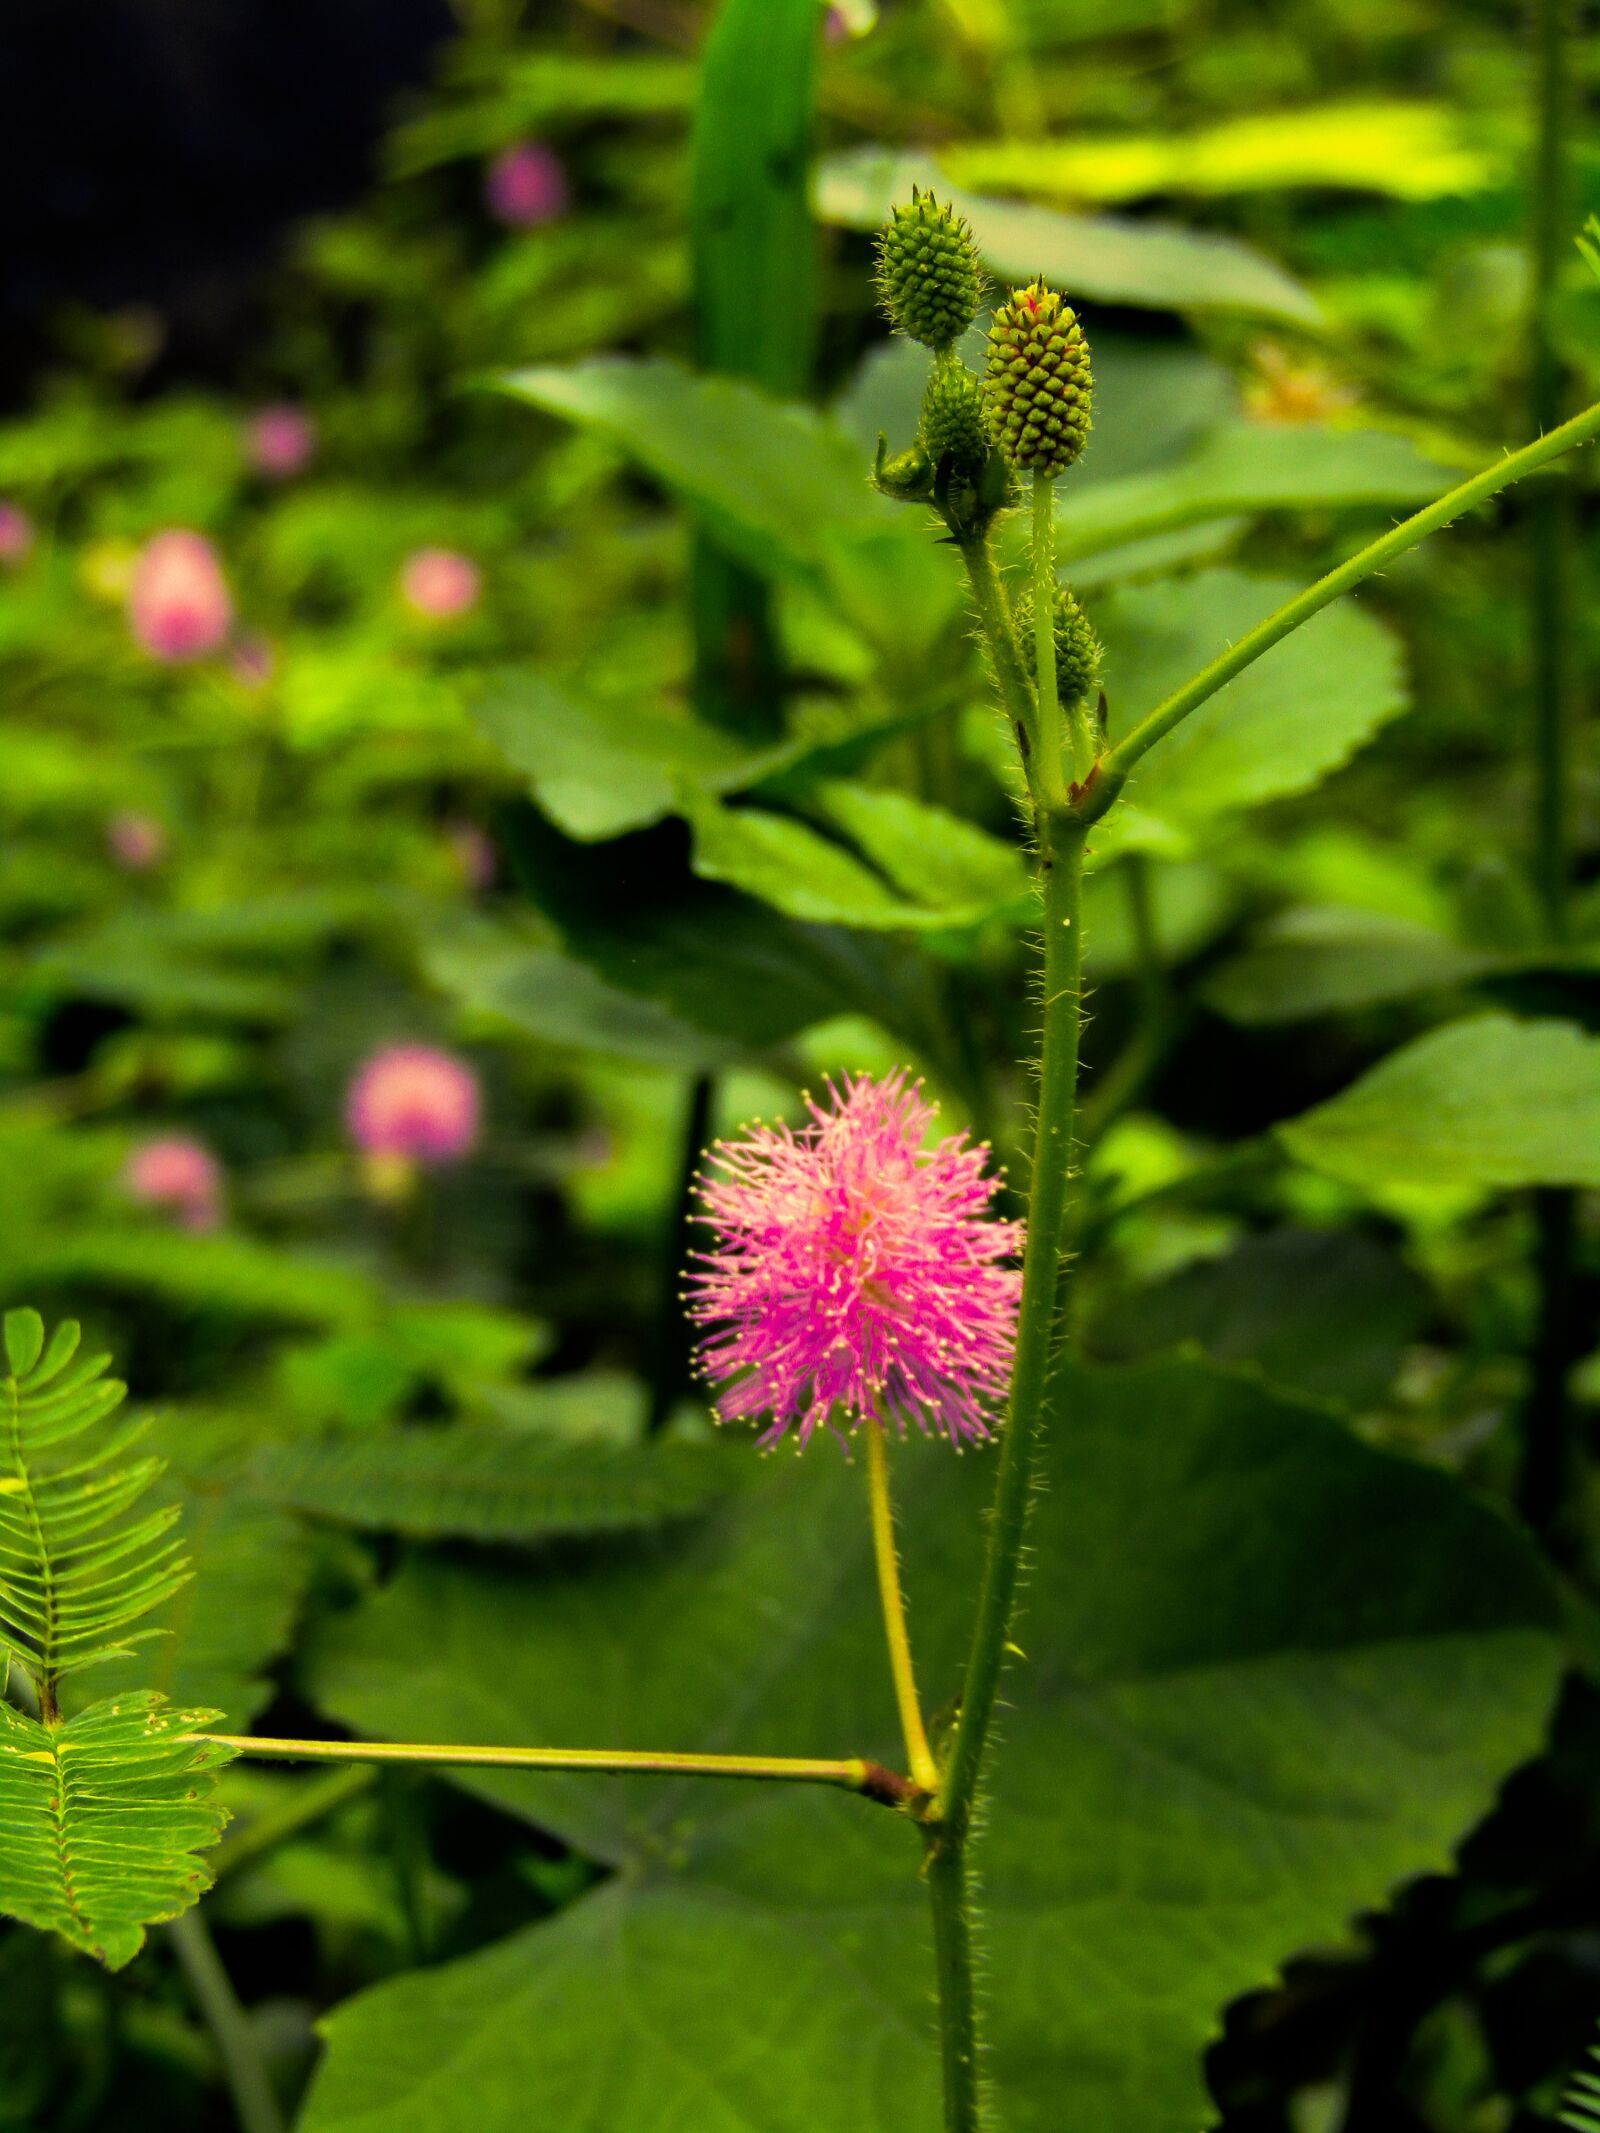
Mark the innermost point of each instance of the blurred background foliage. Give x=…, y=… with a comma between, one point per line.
x=666, y=782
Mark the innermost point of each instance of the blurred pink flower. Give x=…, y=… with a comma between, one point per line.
x=178, y=600
x=414, y=1101
x=474, y=854
x=854, y=1272
x=525, y=186
x=16, y=534
x=136, y=842
x=282, y=440
x=179, y=1174
x=439, y=583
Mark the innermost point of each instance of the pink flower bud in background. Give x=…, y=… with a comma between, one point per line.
x=178, y=601
x=526, y=186
x=16, y=534
x=474, y=852
x=282, y=440
x=439, y=583
x=414, y=1101
x=136, y=842
x=179, y=1175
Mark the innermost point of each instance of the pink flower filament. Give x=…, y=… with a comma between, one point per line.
x=178, y=600
x=178, y=1174
x=416, y=1102
x=855, y=1272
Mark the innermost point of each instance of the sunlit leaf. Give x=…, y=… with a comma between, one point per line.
x=1158, y=265
x=1412, y=151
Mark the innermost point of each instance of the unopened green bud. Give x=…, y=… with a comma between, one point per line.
x=928, y=273
x=908, y=477
x=952, y=421
x=1077, y=647
x=1037, y=388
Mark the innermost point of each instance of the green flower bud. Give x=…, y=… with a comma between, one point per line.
x=953, y=421
x=928, y=272
x=1037, y=388
x=1077, y=647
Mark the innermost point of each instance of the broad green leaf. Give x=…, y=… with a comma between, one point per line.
x=1155, y=265
x=940, y=859
x=1485, y=1102
x=102, y=1819
x=771, y=479
x=599, y=767
x=1246, y=468
x=497, y=971
x=1325, y=1312
x=1284, y=723
x=727, y=964
x=1270, y=1673
x=930, y=869
x=1320, y=960
x=1411, y=151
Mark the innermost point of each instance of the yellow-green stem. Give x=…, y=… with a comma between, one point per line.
x=919, y=1755
x=855, y=1774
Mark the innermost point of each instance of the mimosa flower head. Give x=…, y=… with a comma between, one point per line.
x=855, y=1271
x=179, y=1174
x=414, y=1101
x=281, y=440
x=178, y=600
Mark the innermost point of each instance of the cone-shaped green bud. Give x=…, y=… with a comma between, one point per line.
x=952, y=421
x=928, y=272
x=1037, y=386
x=1077, y=646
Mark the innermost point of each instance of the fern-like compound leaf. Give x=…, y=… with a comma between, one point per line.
x=1580, y=2107
x=79, y=1566
x=101, y=1819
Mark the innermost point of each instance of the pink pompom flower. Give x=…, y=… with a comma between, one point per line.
x=281, y=440
x=136, y=842
x=525, y=186
x=16, y=534
x=178, y=1174
x=855, y=1272
x=439, y=583
x=415, y=1102
x=178, y=600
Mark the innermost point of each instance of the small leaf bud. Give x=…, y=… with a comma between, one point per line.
x=1078, y=651
x=953, y=421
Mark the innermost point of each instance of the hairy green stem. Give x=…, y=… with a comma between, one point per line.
x=1000, y=634
x=1052, y=784
x=854, y=1774
x=243, y=2067
x=1478, y=489
x=1061, y=866
x=951, y=1900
